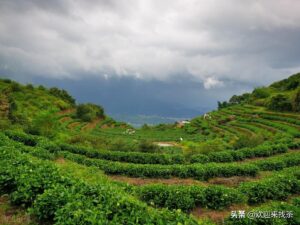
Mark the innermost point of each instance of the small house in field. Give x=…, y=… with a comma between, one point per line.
x=129, y=131
x=182, y=123
x=207, y=116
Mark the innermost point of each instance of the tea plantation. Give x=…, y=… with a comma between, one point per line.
x=63, y=163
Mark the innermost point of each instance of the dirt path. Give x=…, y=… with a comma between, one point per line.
x=218, y=216
x=73, y=125
x=165, y=144
x=66, y=111
x=65, y=119
x=12, y=215
x=91, y=125
x=231, y=181
x=144, y=181
x=4, y=106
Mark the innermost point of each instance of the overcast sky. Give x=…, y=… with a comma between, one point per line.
x=171, y=53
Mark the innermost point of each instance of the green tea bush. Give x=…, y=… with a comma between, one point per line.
x=88, y=112
x=237, y=155
x=278, y=187
x=197, y=171
x=261, y=92
x=132, y=157
x=63, y=94
x=188, y=197
x=275, y=207
x=279, y=162
x=248, y=141
x=22, y=137
x=280, y=102
x=34, y=180
x=58, y=198
x=46, y=204
x=147, y=146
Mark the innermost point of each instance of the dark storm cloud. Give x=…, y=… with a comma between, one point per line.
x=206, y=48
x=131, y=96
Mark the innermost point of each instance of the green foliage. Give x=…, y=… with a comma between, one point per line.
x=261, y=92
x=206, y=147
x=296, y=201
x=15, y=87
x=290, y=83
x=63, y=94
x=224, y=104
x=29, y=140
x=197, y=171
x=280, y=102
x=45, y=124
x=264, y=150
x=6, y=80
x=276, y=207
x=41, y=87
x=88, y=112
x=147, y=146
x=29, y=87
x=62, y=200
x=248, y=141
x=145, y=127
x=278, y=187
x=122, y=145
x=189, y=197
x=238, y=99
x=296, y=101
x=133, y=157
x=46, y=204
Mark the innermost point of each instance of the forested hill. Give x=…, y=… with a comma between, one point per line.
x=282, y=95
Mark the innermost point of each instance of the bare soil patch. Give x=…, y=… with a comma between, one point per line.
x=231, y=181
x=165, y=144
x=91, y=125
x=11, y=215
x=66, y=111
x=143, y=181
x=65, y=119
x=73, y=125
x=218, y=216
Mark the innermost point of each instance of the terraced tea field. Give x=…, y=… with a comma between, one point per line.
x=204, y=187
x=62, y=163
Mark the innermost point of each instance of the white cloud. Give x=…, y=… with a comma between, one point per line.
x=211, y=82
x=151, y=39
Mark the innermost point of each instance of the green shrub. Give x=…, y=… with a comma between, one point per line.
x=275, y=207
x=296, y=201
x=280, y=102
x=188, y=197
x=15, y=87
x=45, y=124
x=147, y=146
x=88, y=112
x=46, y=204
x=296, y=101
x=63, y=94
x=29, y=86
x=27, y=139
x=133, y=157
x=219, y=197
x=278, y=187
x=263, y=150
x=62, y=200
x=248, y=141
x=261, y=92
